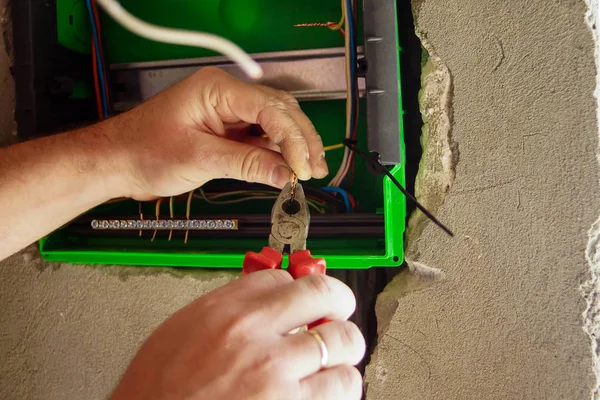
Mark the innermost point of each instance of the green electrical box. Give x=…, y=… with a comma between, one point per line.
x=259, y=27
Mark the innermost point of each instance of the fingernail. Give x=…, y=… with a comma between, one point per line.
x=281, y=176
x=323, y=165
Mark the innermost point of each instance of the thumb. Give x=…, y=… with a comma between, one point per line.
x=246, y=162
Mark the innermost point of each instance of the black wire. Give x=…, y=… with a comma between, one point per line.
x=227, y=185
x=374, y=163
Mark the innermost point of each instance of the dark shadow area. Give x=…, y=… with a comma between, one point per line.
x=367, y=284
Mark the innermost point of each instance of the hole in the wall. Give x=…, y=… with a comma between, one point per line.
x=367, y=284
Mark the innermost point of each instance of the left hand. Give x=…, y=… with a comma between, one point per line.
x=233, y=344
x=197, y=130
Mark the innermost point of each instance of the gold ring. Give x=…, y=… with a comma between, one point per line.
x=322, y=346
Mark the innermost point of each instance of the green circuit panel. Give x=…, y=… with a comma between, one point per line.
x=257, y=26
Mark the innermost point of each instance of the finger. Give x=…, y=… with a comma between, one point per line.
x=263, y=142
x=313, y=139
x=344, y=342
x=234, y=100
x=341, y=382
x=306, y=300
x=254, y=285
x=235, y=160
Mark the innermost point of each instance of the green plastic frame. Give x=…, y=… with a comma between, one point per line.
x=389, y=253
x=394, y=217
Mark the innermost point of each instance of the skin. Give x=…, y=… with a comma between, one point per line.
x=234, y=342
x=189, y=134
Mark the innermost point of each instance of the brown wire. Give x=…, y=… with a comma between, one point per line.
x=157, y=216
x=171, y=213
x=141, y=210
x=188, y=211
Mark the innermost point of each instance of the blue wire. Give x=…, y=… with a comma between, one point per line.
x=98, y=58
x=353, y=72
x=342, y=192
x=353, y=61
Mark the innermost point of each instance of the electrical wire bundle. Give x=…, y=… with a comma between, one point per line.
x=100, y=70
x=350, y=55
x=199, y=39
x=324, y=200
x=352, y=99
x=242, y=196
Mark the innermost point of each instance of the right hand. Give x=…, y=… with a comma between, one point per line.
x=232, y=344
x=198, y=130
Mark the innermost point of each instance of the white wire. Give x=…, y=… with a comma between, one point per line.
x=182, y=37
x=339, y=176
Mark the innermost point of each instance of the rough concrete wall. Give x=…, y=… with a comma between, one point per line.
x=591, y=287
x=502, y=317
x=69, y=331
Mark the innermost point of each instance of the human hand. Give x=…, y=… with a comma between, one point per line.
x=197, y=130
x=232, y=344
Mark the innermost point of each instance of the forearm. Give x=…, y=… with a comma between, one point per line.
x=47, y=182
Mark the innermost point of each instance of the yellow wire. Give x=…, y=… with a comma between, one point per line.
x=171, y=213
x=157, y=216
x=337, y=179
x=339, y=24
x=333, y=147
x=251, y=196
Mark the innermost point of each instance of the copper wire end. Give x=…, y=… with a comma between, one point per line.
x=141, y=210
x=157, y=217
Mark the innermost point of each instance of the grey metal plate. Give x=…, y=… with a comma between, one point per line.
x=306, y=74
x=382, y=79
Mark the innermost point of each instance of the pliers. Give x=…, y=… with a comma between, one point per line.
x=290, y=220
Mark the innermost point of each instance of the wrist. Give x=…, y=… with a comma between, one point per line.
x=104, y=158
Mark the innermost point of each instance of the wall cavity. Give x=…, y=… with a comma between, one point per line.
x=440, y=153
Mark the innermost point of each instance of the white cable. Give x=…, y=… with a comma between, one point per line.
x=339, y=176
x=182, y=37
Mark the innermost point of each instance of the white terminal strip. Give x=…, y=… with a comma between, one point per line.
x=168, y=224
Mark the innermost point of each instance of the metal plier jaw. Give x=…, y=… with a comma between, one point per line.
x=290, y=220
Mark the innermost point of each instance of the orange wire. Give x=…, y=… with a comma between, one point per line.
x=101, y=44
x=188, y=211
x=171, y=215
x=352, y=201
x=329, y=25
x=96, y=82
x=141, y=210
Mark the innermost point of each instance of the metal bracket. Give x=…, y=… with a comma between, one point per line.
x=307, y=74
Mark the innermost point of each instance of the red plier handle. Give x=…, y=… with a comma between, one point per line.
x=301, y=263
